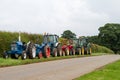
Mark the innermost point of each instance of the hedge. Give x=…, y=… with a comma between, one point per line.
x=6, y=38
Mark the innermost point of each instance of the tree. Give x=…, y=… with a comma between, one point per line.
x=94, y=39
x=68, y=34
x=110, y=36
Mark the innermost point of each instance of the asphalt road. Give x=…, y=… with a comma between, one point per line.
x=66, y=69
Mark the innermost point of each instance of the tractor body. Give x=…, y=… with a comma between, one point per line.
x=82, y=46
x=52, y=42
x=17, y=49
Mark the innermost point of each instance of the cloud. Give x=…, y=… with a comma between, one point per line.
x=83, y=17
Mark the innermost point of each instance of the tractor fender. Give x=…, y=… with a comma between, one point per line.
x=57, y=44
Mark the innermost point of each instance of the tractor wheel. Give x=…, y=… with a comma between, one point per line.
x=86, y=51
x=40, y=55
x=63, y=53
x=32, y=51
x=46, y=51
x=24, y=55
x=73, y=51
x=82, y=51
x=12, y=56
x=67, y=51
x=59, y=50
x=16, y=56
x=90, y=51
x=5, y=55
x=55, y=52
x=79, y=51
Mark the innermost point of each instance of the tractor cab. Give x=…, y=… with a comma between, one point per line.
x=76, y=42
x=83, y=41
x=85, y=45
x=51, y=40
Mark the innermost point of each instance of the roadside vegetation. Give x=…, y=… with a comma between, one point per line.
x=7, y=37
x=14, y=62
x=100, y=49
x=108, y=72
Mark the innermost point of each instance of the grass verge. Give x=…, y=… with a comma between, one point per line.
x=14, y=62
x=108, y=72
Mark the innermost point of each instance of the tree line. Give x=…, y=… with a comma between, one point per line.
x=109, y=36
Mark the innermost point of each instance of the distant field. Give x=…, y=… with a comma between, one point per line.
x=108, y=72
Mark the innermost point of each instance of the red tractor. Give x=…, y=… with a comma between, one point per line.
x=68, y=48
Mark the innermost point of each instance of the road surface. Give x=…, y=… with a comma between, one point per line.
x=66, y=69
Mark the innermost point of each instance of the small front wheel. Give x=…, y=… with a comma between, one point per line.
x=40, y=55
x=5, y=55
x=24, y=55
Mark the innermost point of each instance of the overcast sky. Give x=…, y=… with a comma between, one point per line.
x=83, y=17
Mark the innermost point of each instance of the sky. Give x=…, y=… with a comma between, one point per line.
x=83, y=17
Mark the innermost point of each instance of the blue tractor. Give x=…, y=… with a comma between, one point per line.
x=55, y=46
x=22, y=49
x=42, y=50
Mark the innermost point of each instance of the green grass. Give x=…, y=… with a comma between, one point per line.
x=101, y=49
x=108, y=72
x=14, y=62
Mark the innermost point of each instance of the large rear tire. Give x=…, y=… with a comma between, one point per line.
x=73, y=51
x=31, y=51
x=90, y=51
x=82, y=51
x=79, y=51
x=59, y=50
x=55, y=52
x=67, y=52
x=46, y=51
x=63, y=53
x=86, y=51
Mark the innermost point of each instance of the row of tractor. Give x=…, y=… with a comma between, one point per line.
x=49, y=47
